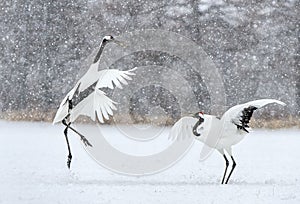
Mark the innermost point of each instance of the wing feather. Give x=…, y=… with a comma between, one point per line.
x=208, y=129
x=241, y=114
x=182, y=128
x=90, y=77
x=63, y=109
x=62, y=112
x=110, y=77
x=122, y=80
x=97, y=104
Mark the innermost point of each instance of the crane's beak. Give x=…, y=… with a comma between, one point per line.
x=120, y=43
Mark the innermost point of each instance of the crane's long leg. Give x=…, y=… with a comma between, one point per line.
x=227, y=164
x=233, y=166
x=67, y=140
x=85, y=141
x=83, y=138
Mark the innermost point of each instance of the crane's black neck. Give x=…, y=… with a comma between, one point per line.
x=97, y=57
x=201, y=120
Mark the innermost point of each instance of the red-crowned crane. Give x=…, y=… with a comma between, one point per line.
x=96, y=104
x=220, y=133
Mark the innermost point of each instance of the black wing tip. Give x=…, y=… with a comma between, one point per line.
x=246, y=117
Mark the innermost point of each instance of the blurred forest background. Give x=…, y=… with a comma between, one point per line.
x=44, y=45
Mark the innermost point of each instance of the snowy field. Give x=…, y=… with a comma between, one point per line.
x=33, y=170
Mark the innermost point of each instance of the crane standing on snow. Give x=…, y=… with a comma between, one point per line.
x=96, y=104
x=220, y=133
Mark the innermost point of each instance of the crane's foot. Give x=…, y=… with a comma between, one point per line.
x=83, y=138
x=85, y=141
x=69, y=161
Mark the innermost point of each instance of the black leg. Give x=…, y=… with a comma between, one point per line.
x=227, y=164
x=233, y=166
x=83, y=138
x=67, y=140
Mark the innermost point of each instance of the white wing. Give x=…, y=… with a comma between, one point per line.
x=62, y=111
x=90, y=77
x=209, y=129
x=183, y=128
x=241, y=114
x=110, y=77
x=97, y=104
x=106, y=78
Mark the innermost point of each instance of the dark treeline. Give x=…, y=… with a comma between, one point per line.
x=45, y=44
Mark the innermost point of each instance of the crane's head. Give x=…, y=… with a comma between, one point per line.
x=199, y=115
x=109, y=38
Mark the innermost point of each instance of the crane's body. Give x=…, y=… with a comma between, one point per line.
x=97, y=105
x=220, y=133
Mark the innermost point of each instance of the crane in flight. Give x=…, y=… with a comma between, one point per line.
x=97, y=104
x=220, y=133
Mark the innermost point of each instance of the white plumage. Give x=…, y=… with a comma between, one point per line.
x=220, y=133
x=96, y=104
x=97, y=101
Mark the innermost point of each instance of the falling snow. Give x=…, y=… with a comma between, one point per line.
x=46, y=46
x=254, y=44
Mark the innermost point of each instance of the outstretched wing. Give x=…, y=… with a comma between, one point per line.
x=110, y=77
x=240, y=115
x=206, y=130
x=62, y=111
x=106, y=78
x=90, y=77
x=97, y=104
x=183, y=128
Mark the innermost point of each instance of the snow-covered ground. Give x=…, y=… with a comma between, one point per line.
x=33, y=170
